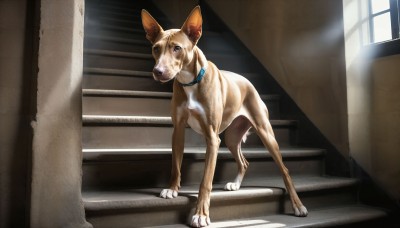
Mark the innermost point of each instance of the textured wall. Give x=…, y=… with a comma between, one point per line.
x=301, y=44
x=57, y=154
x=373, y=101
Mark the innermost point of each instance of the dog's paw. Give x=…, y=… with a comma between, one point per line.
x=232, y=186
x=300, y=211
x=200, y=221
x=168, y=194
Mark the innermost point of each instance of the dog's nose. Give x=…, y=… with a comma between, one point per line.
x=158, y=72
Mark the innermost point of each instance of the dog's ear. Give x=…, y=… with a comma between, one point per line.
x=193, y=25
x=150, y=25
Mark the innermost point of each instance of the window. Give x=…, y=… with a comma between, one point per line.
x=384, y=20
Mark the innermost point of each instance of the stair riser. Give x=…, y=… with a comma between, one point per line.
x=94, y=43
x=257, y=206
x=126, y=8
x=113, y=82
x=127, y=137
x=135, y=106
x=126, y=106
x=121, y=63
x=115, y=32
x=156, y=173
x=114, y=13
x=107, y=17
x=109, y=21
x=112, y=3
x=234, y=64
x=263, y=206
x=94, y=81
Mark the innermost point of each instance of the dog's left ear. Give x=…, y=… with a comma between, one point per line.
x=150, y=25
x=193, y=25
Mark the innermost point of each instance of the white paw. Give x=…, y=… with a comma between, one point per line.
x=301, y=211
x=200, y=221
x=168, y=194
x=232, y=186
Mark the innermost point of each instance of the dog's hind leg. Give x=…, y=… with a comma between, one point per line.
x=265, y=132
x=234, y=135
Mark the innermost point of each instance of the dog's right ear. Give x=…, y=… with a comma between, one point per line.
x=150, y=25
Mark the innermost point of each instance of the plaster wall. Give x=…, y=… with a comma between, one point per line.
x=374, y=102
x=301, y=44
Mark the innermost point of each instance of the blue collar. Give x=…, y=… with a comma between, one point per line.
x=197, y=79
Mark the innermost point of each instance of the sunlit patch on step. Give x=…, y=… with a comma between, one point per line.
x=253, y=222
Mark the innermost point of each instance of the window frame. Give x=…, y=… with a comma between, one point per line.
x=389, y=47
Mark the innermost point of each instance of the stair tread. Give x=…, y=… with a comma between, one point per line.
x=326, y=217
x=251, y=188
x=117, y=53
x=118, y=39
x=134, y=54
x=92, y=24
x=159, y=120
x=96, y=70
x=112, y=155
x=131, y=93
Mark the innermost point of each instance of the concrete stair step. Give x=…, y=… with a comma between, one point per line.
x=101, y=29
x=155, y=131
x=103, y=78
x=117, y=79
x=95, y=58
x=129, y=73
x=141, y=61
x=117, y=44
x=340, y=216
x=127, y=16
x=143, y=207
x=123, y=82
x=136, y=103
x=106, y=19
x=141, y=167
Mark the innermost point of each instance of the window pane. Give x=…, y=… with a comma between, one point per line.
x=379, y=5
x=382, y=28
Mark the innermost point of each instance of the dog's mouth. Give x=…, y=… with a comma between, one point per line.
x=163, y=79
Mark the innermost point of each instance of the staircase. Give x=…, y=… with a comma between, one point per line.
x=127, y=140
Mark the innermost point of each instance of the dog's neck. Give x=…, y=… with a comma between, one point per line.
x=190, y=71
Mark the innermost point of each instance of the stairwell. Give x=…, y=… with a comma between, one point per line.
x=127, y=140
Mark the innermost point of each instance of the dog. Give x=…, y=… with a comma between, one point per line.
x=210, y=101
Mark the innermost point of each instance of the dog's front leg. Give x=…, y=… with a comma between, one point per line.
x=178, y=140
x=202, y=215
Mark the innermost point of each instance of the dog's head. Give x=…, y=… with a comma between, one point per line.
x=172, y=49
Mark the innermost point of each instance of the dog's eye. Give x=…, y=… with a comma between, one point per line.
x=177, y=48
x=156, y=49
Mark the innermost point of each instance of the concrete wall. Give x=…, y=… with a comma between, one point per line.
x=57, y=152
x=14, y=115
x=301, y=44
x=40, y=108
x=374, y=102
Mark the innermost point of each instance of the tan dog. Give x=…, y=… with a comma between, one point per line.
x=210, y=101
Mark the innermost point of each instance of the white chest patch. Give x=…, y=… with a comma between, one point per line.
x=194, y=107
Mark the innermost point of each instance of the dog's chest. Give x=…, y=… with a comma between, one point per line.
x=196, y=110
